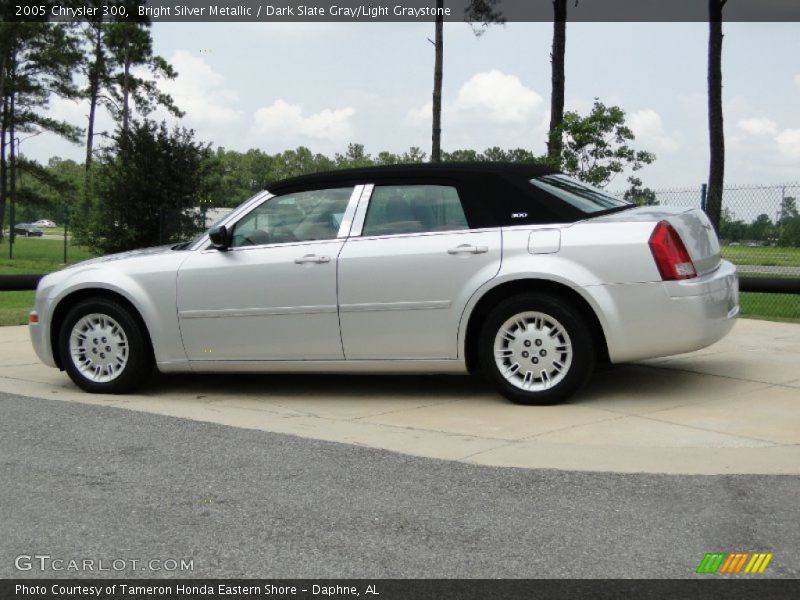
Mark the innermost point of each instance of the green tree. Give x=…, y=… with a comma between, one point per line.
x=788, y=223
x=131, y=45
x=494, y=154
x=37, y=61
x=354, y=157
x=414, y=155
x=638, y=194
x=114, y=49
x=149, y=182
x=790, y=232
x=300, y=161
x=47, y=191
x=596, y=148
x=732, y=229
x=462, y=156
x=788, y=209
x=761, y=229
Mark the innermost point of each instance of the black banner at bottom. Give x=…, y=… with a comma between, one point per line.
x=396, y=589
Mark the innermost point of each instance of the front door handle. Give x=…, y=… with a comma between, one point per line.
x=312, y=258
x=468, y=249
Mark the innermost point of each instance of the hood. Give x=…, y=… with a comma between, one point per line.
x=125, y=255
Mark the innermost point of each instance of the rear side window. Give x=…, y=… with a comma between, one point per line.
x=398, y=209
x=584, y=197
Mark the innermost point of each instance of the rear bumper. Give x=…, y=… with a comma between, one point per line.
x=664, y=318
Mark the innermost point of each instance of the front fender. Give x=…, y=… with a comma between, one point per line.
x=150, y=290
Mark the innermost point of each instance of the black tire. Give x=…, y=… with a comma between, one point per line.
x=568, y=380
x=139, y=365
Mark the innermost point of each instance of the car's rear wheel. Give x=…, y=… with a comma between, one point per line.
x=104, y=348
x=536, y=349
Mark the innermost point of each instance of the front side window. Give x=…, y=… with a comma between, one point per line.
x=297, y=217
x=398, y=209
x=582, y=196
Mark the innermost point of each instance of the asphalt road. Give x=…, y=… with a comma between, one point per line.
x=90, y=482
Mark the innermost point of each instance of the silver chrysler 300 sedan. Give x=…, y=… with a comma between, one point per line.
x=517, y=272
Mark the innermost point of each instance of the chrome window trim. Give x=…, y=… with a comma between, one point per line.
x=533, y=226
x=427, y=233
x=350, y=211
x=361, y=211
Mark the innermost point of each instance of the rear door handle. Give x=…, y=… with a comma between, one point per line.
x=468, y=249
x=312, y=258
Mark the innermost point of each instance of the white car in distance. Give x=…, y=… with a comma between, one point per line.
x=44, y=223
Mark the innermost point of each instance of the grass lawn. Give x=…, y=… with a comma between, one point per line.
x=32, y=255
x=14, y=307
x=53, y=231
x=774, y=307
x=768, y=256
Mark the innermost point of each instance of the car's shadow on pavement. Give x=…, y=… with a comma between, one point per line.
x=321, y=385
x=624, y=381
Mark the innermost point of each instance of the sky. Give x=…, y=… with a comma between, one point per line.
x=322, y=85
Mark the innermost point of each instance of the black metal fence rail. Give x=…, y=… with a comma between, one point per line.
x=19, y=283
x=768, y=285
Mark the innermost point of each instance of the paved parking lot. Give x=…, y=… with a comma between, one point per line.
x=96, y=482
x=731, y=408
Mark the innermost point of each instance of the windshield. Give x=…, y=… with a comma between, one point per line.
x=582, y=196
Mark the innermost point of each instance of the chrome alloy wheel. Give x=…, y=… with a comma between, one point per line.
x=98, y=347
x=533, y=351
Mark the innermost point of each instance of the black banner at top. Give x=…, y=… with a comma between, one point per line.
x=375, y=11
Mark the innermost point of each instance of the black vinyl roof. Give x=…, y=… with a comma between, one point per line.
x=492, y=193
x=455, y=171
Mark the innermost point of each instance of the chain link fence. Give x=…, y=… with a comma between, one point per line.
x=40, y=231
x=46, y=232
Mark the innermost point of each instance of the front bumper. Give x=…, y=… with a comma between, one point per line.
x=40, y=332
x=41, y=344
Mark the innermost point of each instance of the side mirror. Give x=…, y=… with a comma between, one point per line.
x=219, y=237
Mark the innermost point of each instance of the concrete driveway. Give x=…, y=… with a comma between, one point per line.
x=731, y=408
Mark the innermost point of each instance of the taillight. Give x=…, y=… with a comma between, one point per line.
x=670, y=254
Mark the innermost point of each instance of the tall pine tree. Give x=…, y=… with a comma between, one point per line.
x=38, y=61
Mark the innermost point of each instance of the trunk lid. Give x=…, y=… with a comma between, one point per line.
x=692, y=225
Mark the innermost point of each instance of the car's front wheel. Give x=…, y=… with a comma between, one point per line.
x=104, y=348
x=536, y=349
